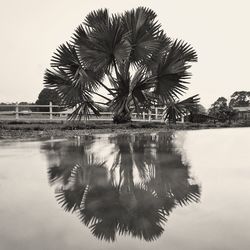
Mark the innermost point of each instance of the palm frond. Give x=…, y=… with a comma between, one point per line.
x=67, y=60
x=140, y=87
x=61, y=82
x=142, y=28
x=73, y=96
x=105, y=43
x=176, y=110
x=97, y=17
x=151, y=62
x=172, y=72
x=81, y=35
x=65, y=56
x=190, y=102
x=85, y=109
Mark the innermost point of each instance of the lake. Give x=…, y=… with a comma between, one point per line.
x=187, y=190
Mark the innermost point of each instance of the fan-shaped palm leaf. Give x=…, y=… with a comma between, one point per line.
x=142, y=29
x=172, y=72
x=176, y=110
x=97, y=17
x=106, y=42
x=73, y=96
x=67, y=60
x=152, y=61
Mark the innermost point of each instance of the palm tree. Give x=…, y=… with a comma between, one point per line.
x=126, y=55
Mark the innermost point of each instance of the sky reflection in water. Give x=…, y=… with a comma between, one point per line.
x=122, y=184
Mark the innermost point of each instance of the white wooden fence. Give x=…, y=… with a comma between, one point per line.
x=24, y=112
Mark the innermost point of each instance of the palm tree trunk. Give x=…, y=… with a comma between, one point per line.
x=122, y=117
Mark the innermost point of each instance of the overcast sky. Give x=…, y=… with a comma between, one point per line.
x=31, y=30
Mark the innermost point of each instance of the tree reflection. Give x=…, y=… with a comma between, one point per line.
x=134, y=196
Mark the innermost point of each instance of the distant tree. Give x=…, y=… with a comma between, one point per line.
x=240, y=99
x=218, y=109
x=45, y=97
x=221, y=111
x=231, y=114
x=201, y=109
x=24, y=108
x=197, y=114
x=6, y=107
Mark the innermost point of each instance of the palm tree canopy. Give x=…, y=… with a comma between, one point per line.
x=130, y=50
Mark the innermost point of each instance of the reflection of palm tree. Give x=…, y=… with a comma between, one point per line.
x=127, y=207
x=110, y=211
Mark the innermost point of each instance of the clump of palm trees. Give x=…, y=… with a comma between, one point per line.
x=125, y=59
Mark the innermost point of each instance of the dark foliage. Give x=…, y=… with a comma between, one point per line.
x=45, y=97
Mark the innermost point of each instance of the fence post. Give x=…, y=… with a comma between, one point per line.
x=143, y=115
x=182, y=119
x=50, y=111
x=156, y=113
x=163, y=110
x=17, y=111
x=149, y=115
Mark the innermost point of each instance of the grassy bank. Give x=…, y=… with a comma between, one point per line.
x=42, y=129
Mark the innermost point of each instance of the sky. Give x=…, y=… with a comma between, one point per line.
x=218, y=30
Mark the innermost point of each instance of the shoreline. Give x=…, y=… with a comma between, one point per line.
x=46, y=134
x=43, y=130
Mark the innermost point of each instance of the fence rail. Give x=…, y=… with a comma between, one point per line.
x=156, y=114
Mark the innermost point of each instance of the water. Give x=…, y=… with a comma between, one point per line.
x=188, y=190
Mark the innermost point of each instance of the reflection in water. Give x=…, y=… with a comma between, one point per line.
x=133, y=194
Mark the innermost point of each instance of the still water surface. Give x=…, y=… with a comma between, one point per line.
x=188, y=190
